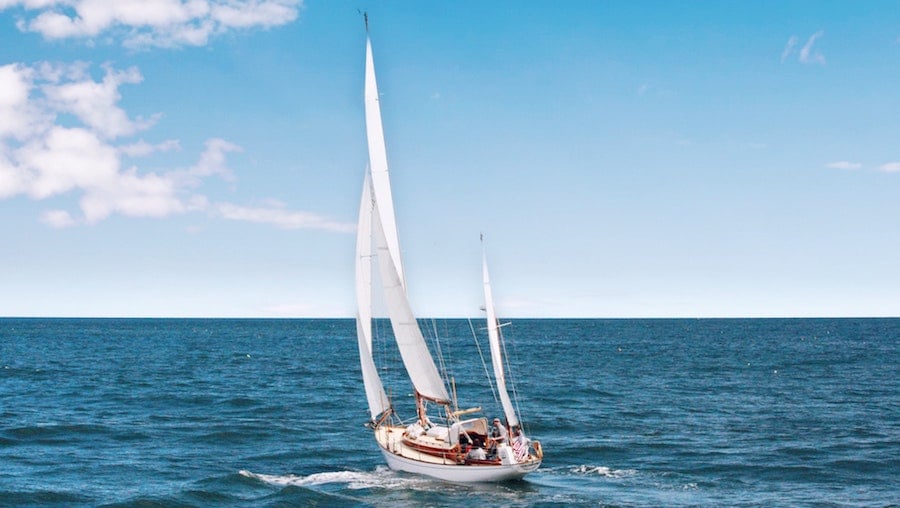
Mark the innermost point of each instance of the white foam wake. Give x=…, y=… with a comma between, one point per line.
x=603, y=471
x=380, y=478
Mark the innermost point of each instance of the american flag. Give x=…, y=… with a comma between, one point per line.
x=520, y=447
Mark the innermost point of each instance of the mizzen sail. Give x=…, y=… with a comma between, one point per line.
x=496, y=347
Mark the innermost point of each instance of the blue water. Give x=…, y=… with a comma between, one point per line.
x=127, y=412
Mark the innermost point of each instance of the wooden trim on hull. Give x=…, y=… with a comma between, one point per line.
x=450, y=454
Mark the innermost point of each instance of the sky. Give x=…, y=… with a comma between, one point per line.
x=204, y=158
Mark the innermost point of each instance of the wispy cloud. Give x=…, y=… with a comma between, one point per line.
x=58, y=219
x=277, y=215
x=844, y=165
x=141, y=23
x=789, y=47
x=888, y=167
x=142, y=148
x=807, y=54
x=42, y=158
x=213, y=160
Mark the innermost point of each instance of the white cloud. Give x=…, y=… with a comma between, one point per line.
x=134, y=195
x=58, y=219
x=276, y=215
x=789, y=48
x=12, y=181
x=142, y=148
x=212, y=161
x=151, y=22
x=806, y=54
x=844, y=165
x=41, y=159
x=95, y=104
x=63, y=159
x=19, y=117
x=890, y=167
x=264, y=13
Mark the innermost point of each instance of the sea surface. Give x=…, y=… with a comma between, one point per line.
x=185, y=412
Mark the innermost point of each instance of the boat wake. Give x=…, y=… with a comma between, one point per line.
x=382, y=478
x=603, y=471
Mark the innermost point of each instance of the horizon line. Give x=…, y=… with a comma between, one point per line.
x=288, y=318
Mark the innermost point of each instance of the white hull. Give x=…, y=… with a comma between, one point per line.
x=400, y=457
x=460, y=473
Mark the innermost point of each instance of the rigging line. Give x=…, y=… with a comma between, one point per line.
x=382, y=364
x=437, y=346
x=381, y=361
x=440, y=354
x=390, y=361
x=512, y=378
x=484, y=364
x=448, y=360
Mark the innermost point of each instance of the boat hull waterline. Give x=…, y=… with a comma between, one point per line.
x=460, y=473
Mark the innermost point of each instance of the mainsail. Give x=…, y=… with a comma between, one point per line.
x=496, y=347
x=413, y=350
x=378, y=166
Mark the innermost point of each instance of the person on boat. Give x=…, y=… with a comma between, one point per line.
x=476, y=453
x=519, y=443
x=499, y=432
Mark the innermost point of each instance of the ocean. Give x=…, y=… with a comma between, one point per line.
x=196, y=412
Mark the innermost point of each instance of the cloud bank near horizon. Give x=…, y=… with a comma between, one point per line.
x=149, y=23
x=888, y=167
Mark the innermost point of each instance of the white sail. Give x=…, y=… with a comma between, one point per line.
x=378, y=401
x=416, y=357
x=413, y=350
x=378, y=165
x=496, y=347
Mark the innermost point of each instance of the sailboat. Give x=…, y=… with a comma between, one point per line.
x=440, y=440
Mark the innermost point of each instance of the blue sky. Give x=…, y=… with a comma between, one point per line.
x=624, y=159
